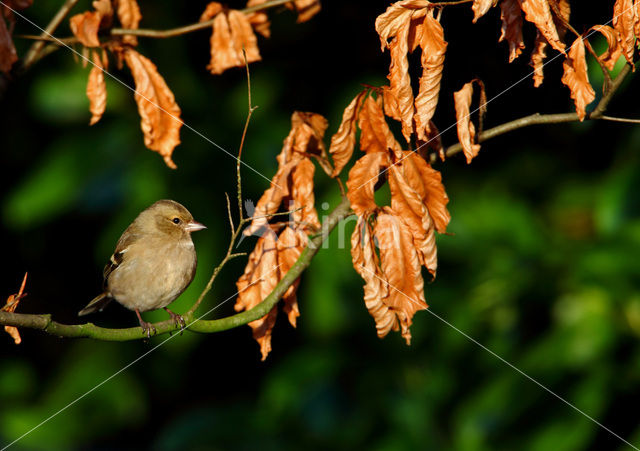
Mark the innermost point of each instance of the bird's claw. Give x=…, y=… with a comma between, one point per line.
x=147, y=328
x=178, y=320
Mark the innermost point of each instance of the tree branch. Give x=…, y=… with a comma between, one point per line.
x=33, y=53
x=89, y=330
x=537, y=118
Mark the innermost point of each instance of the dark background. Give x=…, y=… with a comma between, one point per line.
x=541, y=265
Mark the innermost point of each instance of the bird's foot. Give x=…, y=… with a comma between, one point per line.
x=147, y=328
x=177, y=319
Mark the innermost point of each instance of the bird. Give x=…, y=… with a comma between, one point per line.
x=153, y=263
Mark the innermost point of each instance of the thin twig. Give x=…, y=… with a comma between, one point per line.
x=33, y=52
x=251, y=109
x=233, y=230
x=148, y=33
x=619, y=119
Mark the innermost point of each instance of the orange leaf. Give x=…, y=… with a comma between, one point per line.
x=232, y=33
x=96, y=90
x=401, y=271
x=625, y=21
x=303, y=199
x=466, y=129
x=480, y=8
x=539, y=13
x=390, y=103
x=418, y=196
x=11, y=305
x=212, y=9
x=8, y=54
x=399, y=79
x=129, y=16
x=432, y=141
x=375, y=135
x=290, y=246
x=576, y=78
x=259, y=19
x=307, y=9
x=259, y=278
x=85, y=27
x=343, y=141
x=614, y=50
x=433, y=51
x=537, y=59
x=243, y=37
x=366, y=263
x=363, y=177
x=159, y=112
x=389, y=23
x=511, y=30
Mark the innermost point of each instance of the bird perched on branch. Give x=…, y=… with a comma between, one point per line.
x=154, y=262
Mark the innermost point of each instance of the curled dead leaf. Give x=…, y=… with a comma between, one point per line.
x=129, y=15
x=575, y=77
x=159, y=112
x=465, y=127
x=85, y=27
x=625, y=20
x=537, y=59
x=11, y=305
x=306, y=9
x=511, y=31
x=375, y=135
x=344, y=140
x=232, y=33
x=96, y=89
x=610, y=56
x=259, y=19
x=480, y=8
x=432, y=59
x=363, y=178
x=538, y=12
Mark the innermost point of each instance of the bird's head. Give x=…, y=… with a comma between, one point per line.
x=169, y=217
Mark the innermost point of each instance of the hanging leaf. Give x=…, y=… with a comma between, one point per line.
x=576, y=78
x=465, y=127
x=539, y=13
x=432, y=59
x=537, y=59
x=624, y=21
x=11, y=305
x=129, y=15
x=343, y=141
x=480, y=8
x=96, y=89
x=375, y=135
x=259, y=19
x=511, y=30
x=159, y=112
x=610, y=56
x=363, y=178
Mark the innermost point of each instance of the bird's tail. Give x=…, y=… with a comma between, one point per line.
x=96, y=305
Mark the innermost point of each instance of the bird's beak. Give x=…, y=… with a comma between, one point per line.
x=194, y=226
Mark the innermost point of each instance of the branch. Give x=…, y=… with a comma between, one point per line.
x=148, y=33
x=33, y=54
x=89, y=330
x=537, y=118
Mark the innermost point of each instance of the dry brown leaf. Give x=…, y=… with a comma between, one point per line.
x=396, y=23
x=432, y=59
x=159, y=112
x=259, y=20
x=306, y=9
x=614, y=50
x=305, y=138
x=480, y=8
x=8, y=55
x=290, y=245
x=129, y=15
x=344, y=140
x=367, y=264
x=537, y=59
x=211, y=10
x=96, y=90
x=232, y=33
x=375, y=135
x=85, y=27
x=390, y=104
x=363, y=178
x=11, y=305
x=305, y=216
x=511, y=30
x=625, y=21
x=564, y=9
x=401, y=271
x=576, y=78
x=466, y=129
x=260, y=276
x=636, y=29
x=539, y=13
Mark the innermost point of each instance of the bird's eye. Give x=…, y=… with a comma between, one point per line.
x=176, y=220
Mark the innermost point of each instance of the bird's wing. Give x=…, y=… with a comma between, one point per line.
x=126, y=240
